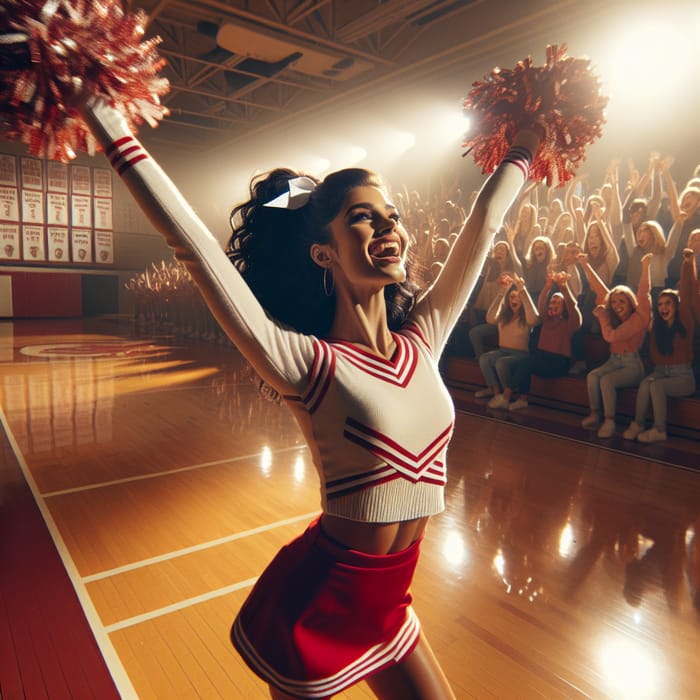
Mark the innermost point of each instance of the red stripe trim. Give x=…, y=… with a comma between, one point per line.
x=386, y=440
x=115, y=144
x=133, y=161
x=120, y=155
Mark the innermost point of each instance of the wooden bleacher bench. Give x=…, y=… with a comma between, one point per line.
x=569, y=394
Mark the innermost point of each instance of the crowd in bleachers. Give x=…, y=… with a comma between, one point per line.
x=576, y=283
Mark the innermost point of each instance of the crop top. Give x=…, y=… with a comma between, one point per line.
x=377, y=428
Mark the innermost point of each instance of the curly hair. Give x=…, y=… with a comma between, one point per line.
x=271, y=246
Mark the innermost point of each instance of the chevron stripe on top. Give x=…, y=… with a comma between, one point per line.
x=321, y=374
x=125, y=152
x=415, y=466
x=398, y=370
x=413, y=329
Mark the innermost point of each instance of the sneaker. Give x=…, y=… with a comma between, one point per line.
x=577, y=369
x=483, y=393
x=498, y=401
x=652, y=435
x=590, y=421
x=632, y=432
x=517, y=405
x=607, y=429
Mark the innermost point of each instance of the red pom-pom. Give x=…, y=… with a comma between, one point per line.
x=563, y=97
x=86, y=47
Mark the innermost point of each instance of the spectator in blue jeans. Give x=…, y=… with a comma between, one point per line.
x=624, y=320
x=514, y=314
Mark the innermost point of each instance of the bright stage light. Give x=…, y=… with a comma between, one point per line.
x=652, y=64
x=631, y=670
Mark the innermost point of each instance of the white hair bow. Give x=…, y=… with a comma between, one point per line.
x=300, y=189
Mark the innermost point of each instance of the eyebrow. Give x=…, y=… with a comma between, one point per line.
x=369, y=205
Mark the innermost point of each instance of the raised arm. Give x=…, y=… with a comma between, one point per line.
x=280, y=356
x=439, y=309
x=575, y=320
x=597, y=285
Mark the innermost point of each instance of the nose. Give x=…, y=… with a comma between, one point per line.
x=384, y=224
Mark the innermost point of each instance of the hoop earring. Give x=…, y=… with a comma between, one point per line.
x=328, y=289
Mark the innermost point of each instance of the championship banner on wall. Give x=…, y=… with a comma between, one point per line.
x=9, y=204
x=81, y=211
x=80, y=180
x=8, y=170
x=81, y=245
x=57, y=238
x=32, y=207
x=102, y=182
x=33, y=249
x=57, y=177
x=32, y=174
x=56, y=209
x=103, y=213
x=104, y=247
x=9, y=242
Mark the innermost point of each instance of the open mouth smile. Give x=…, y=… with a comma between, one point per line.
x=386, y=249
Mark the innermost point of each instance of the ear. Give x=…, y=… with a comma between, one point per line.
x=320, y=254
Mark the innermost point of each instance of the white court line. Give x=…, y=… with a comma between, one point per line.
x=196, y=548
x=109, y=654
x=156, y=475
x=175, y=607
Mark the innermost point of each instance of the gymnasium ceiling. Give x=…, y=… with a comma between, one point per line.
x=239, y=67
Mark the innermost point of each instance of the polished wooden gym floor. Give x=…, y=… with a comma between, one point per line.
x=166, y=482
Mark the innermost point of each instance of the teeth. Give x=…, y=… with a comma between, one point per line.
x=384, y=249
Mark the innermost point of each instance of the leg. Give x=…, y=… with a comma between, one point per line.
x=625, y=375
x=487, y=363
x=641, y=407
x=482, y=336
x=418, y=677
x=669, y=387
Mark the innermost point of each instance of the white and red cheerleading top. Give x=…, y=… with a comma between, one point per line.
x=377, y=428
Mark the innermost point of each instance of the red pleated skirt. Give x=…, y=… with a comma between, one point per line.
x=322, y=617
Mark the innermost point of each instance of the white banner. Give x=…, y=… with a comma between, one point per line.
x=104, y=247
x=80, y=180
x=9, y=242
x=32, y=207
x=81, y=245
x=81, y=211
x=103, y=213
x=102, y=182
x=57, y=176
x=9, y=204
x=56, y=209
x=8, y=170
x=57, y=243
x=32, y=174
x=33, y=243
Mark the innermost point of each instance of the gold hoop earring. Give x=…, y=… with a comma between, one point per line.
x=328, y=289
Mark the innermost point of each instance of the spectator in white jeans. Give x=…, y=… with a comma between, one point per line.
x=671, y=352
x=624, y=320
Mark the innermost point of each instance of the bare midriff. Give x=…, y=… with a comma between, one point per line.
x=373, y=538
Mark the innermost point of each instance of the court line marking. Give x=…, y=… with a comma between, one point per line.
x=156, y=475
x=109, y=654
x=196, y=548
x=176, y=607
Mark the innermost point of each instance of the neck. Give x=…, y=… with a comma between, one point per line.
x=363, y=321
